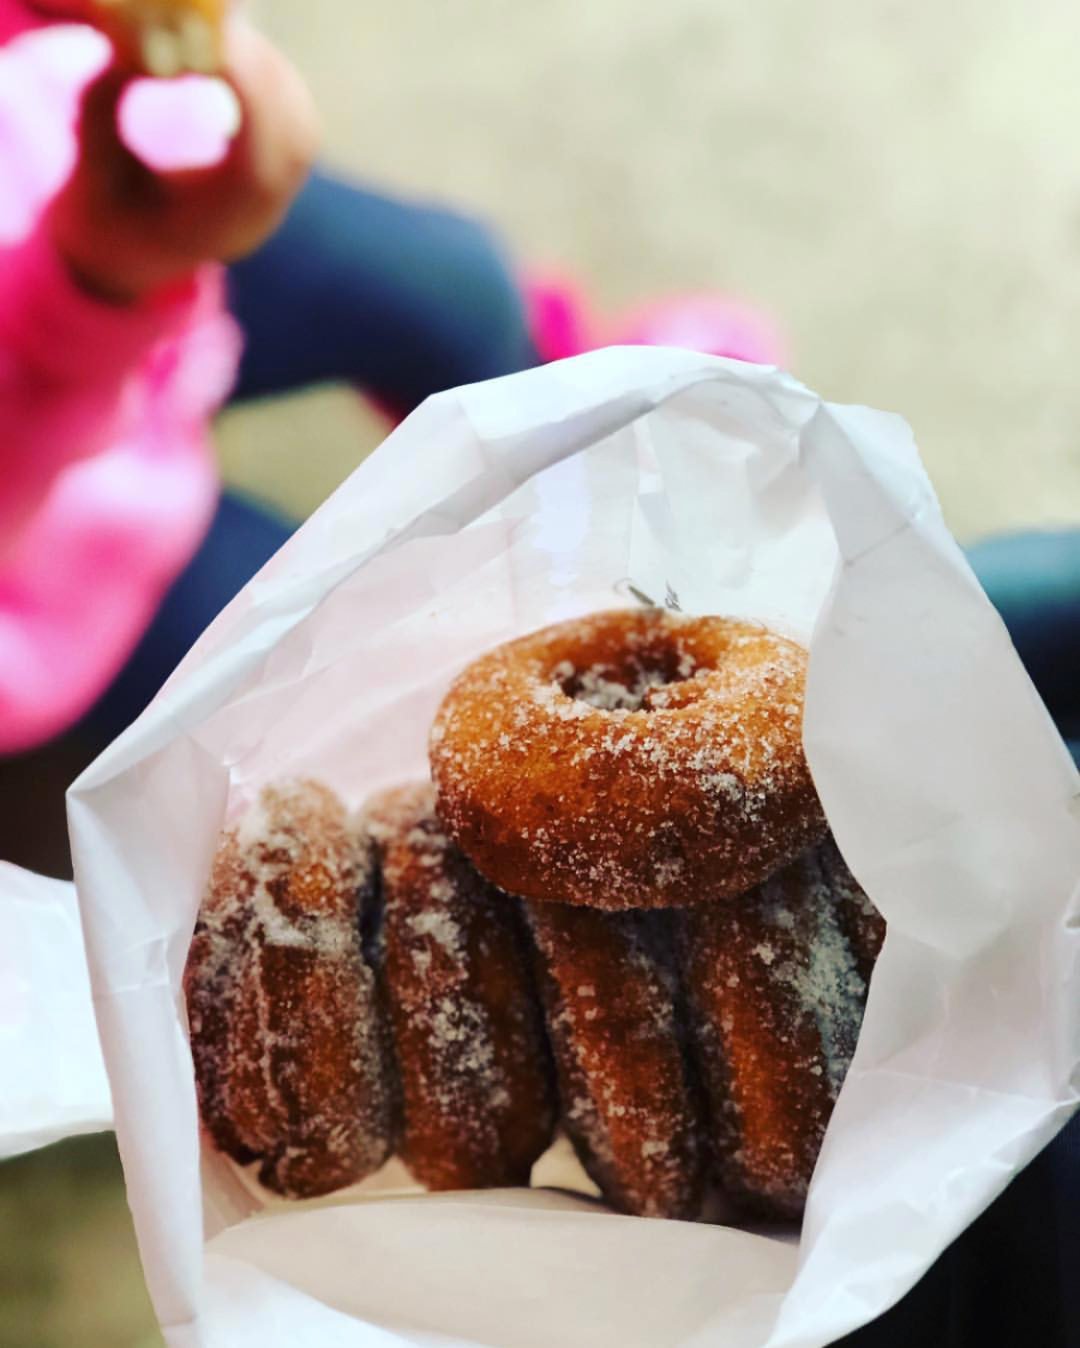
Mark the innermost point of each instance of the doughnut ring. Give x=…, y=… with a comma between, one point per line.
x=632, y=759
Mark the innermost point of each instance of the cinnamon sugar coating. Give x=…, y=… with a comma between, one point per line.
x=358, y=989
x=631, y=759
x=628, y=1104
x=776, y=1000
x=476, y=1076
x=286, y=1034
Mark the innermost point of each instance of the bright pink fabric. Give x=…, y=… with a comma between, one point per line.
x=714, y=324
x=107, y=479
x=562, y=324
x=16, y=18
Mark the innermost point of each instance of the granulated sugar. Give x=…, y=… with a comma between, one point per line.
x=777, y=1000
x=627, y=1102
x=293, y=1072
x=476, y=1077
x=659, y=756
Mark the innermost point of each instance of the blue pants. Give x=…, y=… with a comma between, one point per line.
x=402, y=300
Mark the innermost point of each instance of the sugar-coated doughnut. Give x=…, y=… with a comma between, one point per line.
x=632, y=759
x=477, y=1082
x=286, y=1032
x=776, y=1000
x=164, y=37
x=357, y=989
x=628, y=1104
x=859, y=919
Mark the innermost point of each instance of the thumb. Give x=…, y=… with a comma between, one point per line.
x=104, y=159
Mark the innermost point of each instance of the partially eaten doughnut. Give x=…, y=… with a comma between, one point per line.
x=163, y=38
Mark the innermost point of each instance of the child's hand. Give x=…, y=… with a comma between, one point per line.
x=125, y=230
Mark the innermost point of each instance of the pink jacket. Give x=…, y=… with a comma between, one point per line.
x=107, y=479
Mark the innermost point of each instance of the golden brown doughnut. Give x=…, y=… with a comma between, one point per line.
x=476, y=1075
x=776, y=1001
x=628, y=1103
x=286, y=1035
x=216, y=950
x=164, y=37
x=633, y=759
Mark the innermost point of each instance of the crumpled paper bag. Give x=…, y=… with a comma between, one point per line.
x=721, y=488
x=53, y=1074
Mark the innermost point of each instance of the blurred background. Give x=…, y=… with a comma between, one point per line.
x=898, y=184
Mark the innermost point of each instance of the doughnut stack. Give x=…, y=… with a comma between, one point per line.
x=615, y=909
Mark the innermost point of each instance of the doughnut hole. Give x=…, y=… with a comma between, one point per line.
x=630, y=679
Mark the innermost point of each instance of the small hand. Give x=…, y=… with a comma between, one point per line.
x=125, y=229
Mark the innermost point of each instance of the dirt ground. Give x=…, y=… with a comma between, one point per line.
x=897, y=182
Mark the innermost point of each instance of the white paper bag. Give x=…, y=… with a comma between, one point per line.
x=493, y=510
x=52, y=1074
